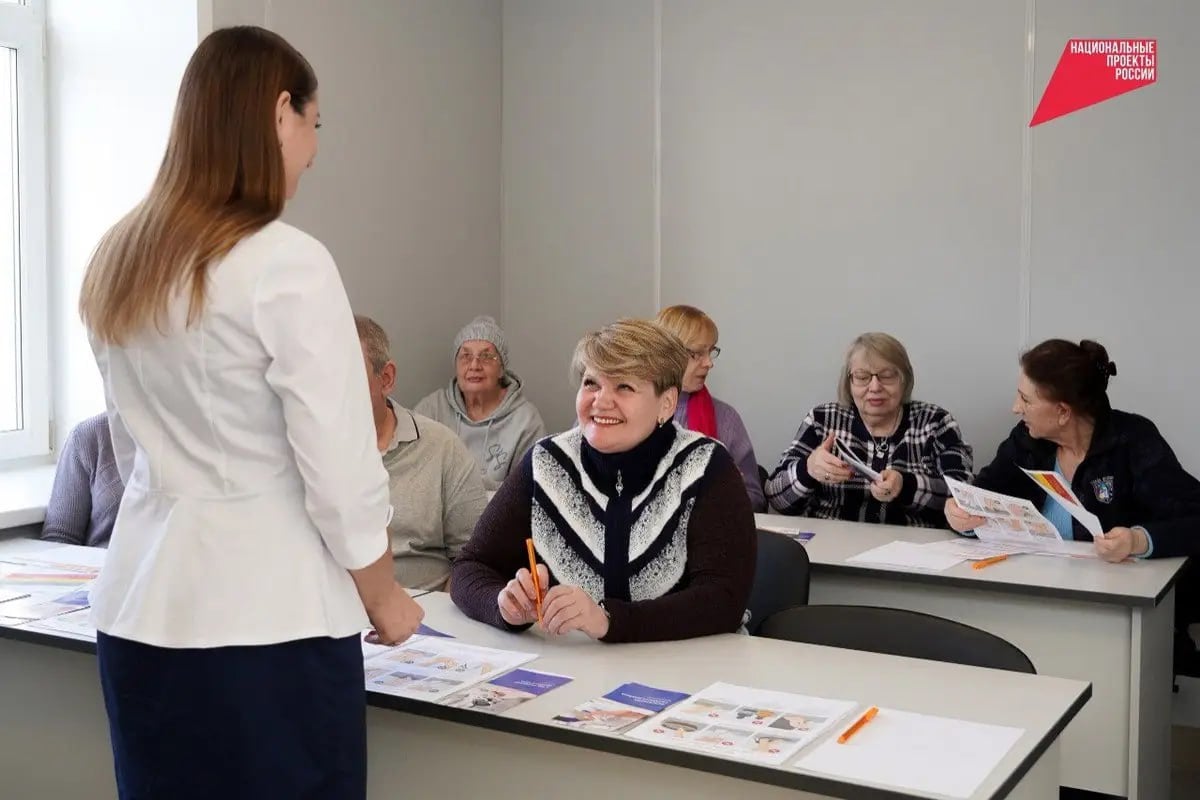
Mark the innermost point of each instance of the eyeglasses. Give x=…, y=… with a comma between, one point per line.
x=862, y=377
x=698, y=355
x=486, y=358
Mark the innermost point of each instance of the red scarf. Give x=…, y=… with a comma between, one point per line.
x=701, y=413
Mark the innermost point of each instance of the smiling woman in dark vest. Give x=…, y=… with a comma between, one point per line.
x=643, y=530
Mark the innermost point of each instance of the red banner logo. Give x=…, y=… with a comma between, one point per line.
x=1091, y=71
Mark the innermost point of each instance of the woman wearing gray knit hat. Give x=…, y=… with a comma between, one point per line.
x=484, y=403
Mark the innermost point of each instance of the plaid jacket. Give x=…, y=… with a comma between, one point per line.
x=927, y=447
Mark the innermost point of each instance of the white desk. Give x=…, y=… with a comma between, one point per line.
x=54, y=742
x=1109, y=624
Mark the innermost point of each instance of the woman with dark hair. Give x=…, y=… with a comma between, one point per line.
x=251, y=545
x=1117, y=463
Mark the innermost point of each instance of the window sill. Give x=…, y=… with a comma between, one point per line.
x=24, y=492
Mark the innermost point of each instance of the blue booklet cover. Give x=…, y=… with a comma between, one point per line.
x=507, y=691
x=620, y=709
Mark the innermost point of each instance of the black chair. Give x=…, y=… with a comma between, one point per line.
x=896, y=632
x=780, y=577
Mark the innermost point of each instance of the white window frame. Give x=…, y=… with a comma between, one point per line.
x=23, y=29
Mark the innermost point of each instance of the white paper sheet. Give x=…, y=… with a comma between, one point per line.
x=976, y=550
x=906, y=555
x=900, y=749
x=76, y=624
x=11, y=594
x=68, y=556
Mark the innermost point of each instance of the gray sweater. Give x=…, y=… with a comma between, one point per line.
x=437, y=497
x=87, y=488
x=498, y=442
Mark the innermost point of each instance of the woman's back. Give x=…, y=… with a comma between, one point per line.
x=236, y=483
x=196, y=400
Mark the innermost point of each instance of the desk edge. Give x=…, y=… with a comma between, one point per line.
x=1023, y=589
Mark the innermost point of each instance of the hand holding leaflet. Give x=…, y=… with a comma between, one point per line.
x=844, y=453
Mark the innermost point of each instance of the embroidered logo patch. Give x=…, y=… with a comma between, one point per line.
x=1103, y=487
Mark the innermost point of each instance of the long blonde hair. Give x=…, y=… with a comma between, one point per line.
x=221, y=179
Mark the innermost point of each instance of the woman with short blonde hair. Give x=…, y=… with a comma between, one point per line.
x=634, y=348
x=875, y=427
x=698, y=410
x=643, y=530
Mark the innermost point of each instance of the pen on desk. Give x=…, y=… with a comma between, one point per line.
x=853, y=729
x=987, y=562
x=537, y=586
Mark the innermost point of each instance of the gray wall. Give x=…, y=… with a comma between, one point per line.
x=807, y=172
x=579, y=216
x=405, y=191
x=1116, y=223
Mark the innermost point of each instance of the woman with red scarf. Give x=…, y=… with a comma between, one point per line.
x=698, y=410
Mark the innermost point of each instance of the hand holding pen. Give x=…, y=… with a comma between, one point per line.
x=519, y=600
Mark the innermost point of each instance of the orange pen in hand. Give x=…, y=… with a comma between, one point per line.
x=987, y=562
x=537, y=585
x=857, y=726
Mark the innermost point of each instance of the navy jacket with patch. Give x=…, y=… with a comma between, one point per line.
x=1129, y=477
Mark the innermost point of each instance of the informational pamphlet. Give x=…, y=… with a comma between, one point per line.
x=855, y=463
x=620, y=709
x=506, y=692
x=757, y=725
x=1007, y=518
x=1057, y=487
x=432, y=668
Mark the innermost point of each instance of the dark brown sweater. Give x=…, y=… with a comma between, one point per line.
x=713, y=516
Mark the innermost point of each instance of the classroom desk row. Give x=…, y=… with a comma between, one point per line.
x=1108, y=624
x=54, y=742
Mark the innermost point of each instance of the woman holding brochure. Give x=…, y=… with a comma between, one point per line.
x=1117, y=464
x=252, y=533
x=876, y=455
x=641, y=531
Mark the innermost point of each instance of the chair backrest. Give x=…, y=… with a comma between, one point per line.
x=896, y=632
x=780, y=577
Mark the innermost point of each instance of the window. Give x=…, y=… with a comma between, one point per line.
x=24, y=361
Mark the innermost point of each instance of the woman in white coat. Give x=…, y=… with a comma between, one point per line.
x=250, y=549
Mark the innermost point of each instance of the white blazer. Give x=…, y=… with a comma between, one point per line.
x=247, y=447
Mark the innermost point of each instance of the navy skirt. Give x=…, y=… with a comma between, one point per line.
x=281, y=721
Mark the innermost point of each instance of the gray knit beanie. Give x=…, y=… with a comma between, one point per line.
x=483, y=329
